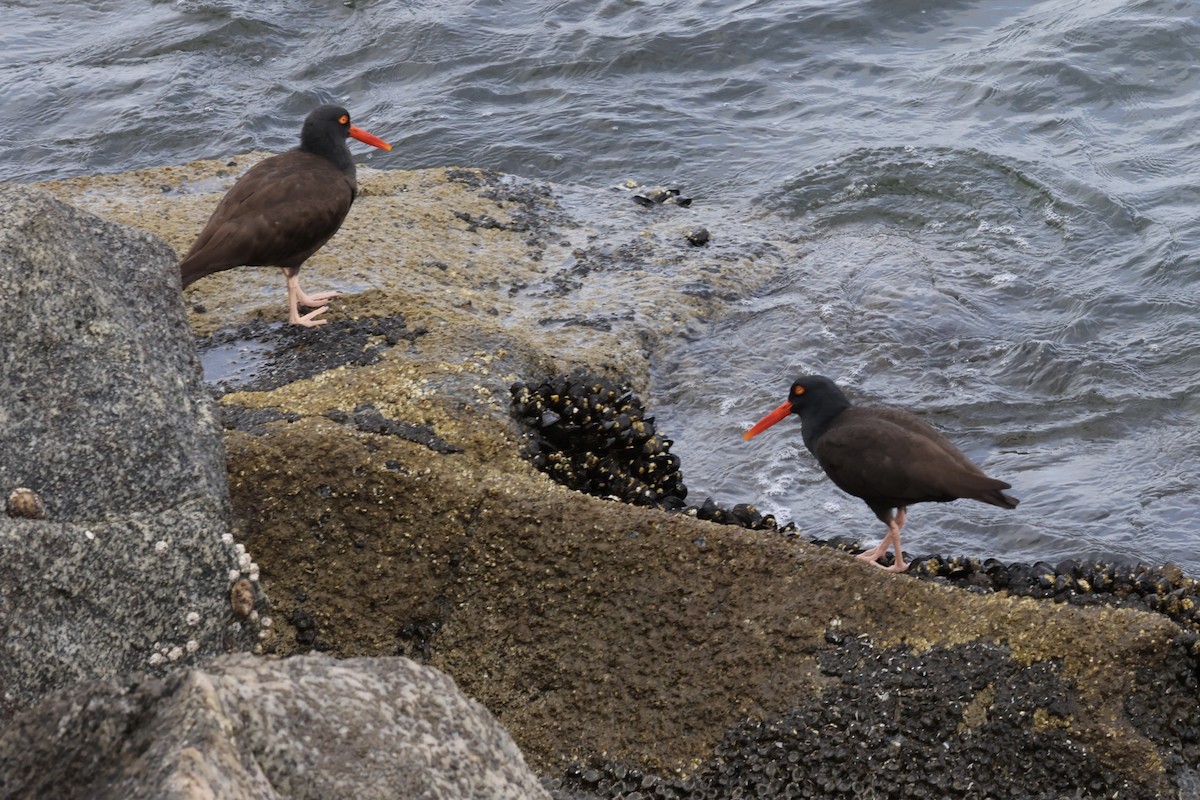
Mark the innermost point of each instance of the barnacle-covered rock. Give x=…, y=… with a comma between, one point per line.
x=1162, y=589
x=935, y=727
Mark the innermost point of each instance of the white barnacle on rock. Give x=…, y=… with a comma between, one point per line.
x=244, y=561
x=156, y=659
x=90, y=536
x=192, y=646
x=227, y=539
x=240, y=548
x=161, y=547
x=266, y=622
x=192, y=618
x=234, y=575
x=175, y=654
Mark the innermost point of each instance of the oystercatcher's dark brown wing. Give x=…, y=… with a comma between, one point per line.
x=278, y=214
x=892, y=459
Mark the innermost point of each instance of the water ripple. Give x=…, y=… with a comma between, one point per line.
x=998, y=202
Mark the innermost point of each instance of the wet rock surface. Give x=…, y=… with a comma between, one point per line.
x=254, y=421
x=283, y=354
x=644, y=647
x=368, y=419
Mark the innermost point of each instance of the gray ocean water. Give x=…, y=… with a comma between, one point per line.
x=1003, y=195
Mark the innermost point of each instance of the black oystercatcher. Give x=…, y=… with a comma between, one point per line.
x=284, y=209
x=885, y=456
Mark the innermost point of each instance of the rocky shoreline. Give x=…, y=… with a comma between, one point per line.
x=382, y=483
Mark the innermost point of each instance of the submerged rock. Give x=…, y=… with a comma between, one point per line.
x=648, y=196
x=698, y=236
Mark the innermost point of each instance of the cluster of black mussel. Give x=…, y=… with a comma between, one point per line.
x=593, y=435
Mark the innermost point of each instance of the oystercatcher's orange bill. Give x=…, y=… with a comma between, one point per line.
x=769, y=420
x=369, y=138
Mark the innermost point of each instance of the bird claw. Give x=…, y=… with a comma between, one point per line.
x=315, y=300
x=310, y=320
x=873, y=556
x=899, y=565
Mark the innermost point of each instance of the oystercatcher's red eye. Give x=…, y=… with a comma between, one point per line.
x=342, y=120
